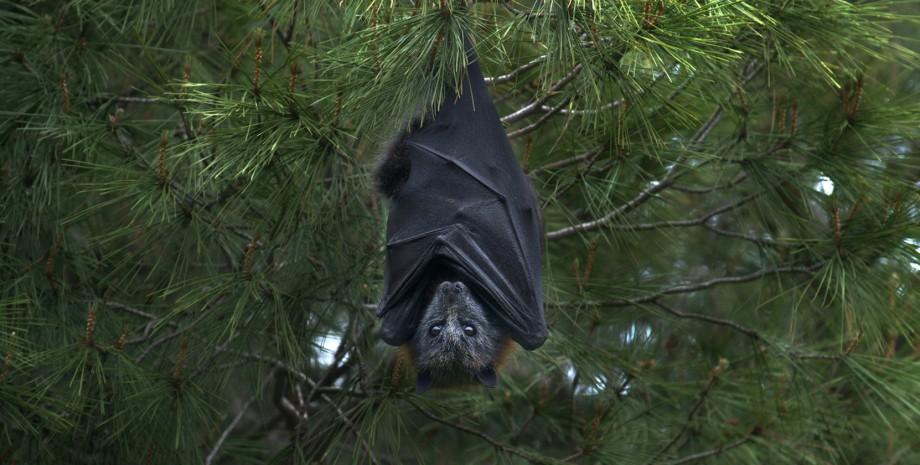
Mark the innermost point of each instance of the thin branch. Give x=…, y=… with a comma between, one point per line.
x=589, y=111
x=704, y=394
x=521, y=429
x=132, y=310
x=284, y=37
x=239, y=416
x=515, y=72
x=644, y=195
x=101, y=99
x=169, y=337
x=709, y=319
x=653, y=188
x=292, y=410
x=303, y=377
x=336, y=368
x=705, y=190
x=700, y=136
x=535, y=106
x=746, y=237
x=485, y=437
x=709, y=453
x=533, y=126
x=814, y=356
x=701, y=220
x=587, y=156
x=666, y=181
x=688, y=288
x=747, y=331
x=364, y=444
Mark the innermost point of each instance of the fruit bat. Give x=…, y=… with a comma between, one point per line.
x=463, y=242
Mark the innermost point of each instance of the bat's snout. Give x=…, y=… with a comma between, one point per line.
x=452, y=290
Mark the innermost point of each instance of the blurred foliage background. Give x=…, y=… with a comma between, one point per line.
x=191, y=254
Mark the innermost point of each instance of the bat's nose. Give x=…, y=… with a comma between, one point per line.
x=452, y=290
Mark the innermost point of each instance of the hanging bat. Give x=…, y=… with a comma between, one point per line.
x=462, y=272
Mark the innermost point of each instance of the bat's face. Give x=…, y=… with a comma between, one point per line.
x=455, y=337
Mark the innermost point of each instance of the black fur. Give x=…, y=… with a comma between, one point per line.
x=392, y=170
x=394, y=166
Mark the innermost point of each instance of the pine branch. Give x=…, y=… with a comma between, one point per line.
x=703, y=285
x=236, y=419
x=559, y=164
x=534, y=106
x=590, y=111
x=510, y=76
x=485, y=437
x=706, y=190
x=169, y=337
x=516, y=435
x=322, y=395
x=698, y=221
x=642, y=197
x=654, y=187
x=761, y=241
x=709, y=319
x=701, y=399
x=536, y=124
x=711, y=452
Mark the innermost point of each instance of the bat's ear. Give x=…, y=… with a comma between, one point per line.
x=487, y=377
x=423, y=382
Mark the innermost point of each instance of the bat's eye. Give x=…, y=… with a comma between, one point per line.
x=434, y=330
x=469, y=330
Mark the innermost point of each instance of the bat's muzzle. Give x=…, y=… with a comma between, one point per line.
x=452, y=291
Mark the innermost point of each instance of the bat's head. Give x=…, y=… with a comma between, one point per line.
x=456, y=337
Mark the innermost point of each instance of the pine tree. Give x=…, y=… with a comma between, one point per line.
x=191, y=252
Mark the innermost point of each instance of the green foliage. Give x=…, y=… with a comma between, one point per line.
x=190, y=251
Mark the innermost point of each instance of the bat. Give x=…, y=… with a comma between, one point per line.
x=462, y=275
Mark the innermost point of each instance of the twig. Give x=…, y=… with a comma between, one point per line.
x=169, y=337
x=284, y=37
x=132, y=310
x=709, y=319
x=705, y=190
x=746, y=237
x=701, y=220
x=99, y=99
x=709, y=453
x=654, y=187
x=336, y=368
x=696, y=407
x=152, y=321
x=644, y=195
x=485, y=437
x=367, y=447
x=700, y=136
x=521, y=429
x=515, y=72
x=587, y=156
x=529, y=15
x=239, y=416
x=589, y=111
x=303, y=377
x=535, y=106
x=533, y=126
x=687, y=288
x=814, y=356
